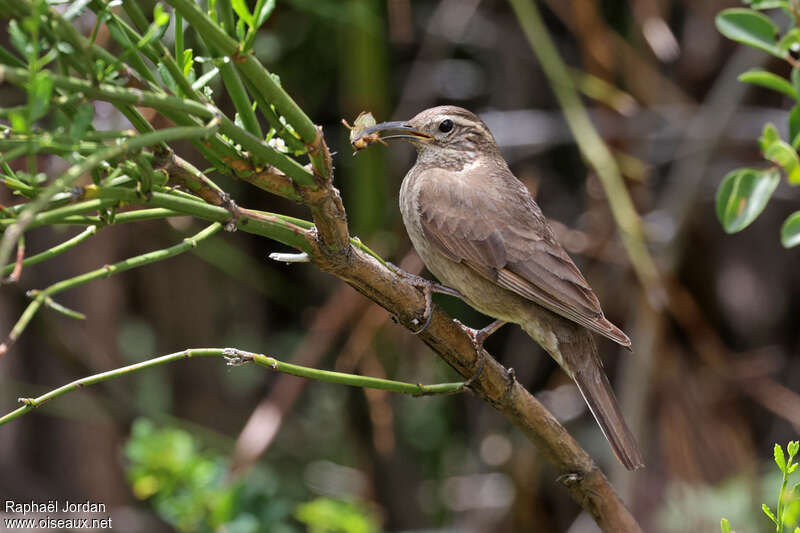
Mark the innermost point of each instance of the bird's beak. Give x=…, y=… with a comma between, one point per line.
x=395, y=130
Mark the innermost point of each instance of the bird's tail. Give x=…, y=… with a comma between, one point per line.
x=598, y=394
x=575, y=350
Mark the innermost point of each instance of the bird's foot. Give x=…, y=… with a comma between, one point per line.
x=479, y=336
x=427, y=287
x=511, y=378
x=477, y=373
x=420, y=282
x=427, y=312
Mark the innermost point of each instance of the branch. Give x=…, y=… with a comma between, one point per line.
x=54, y=251
x=44, y=297
x=237, y=357
x=65, y=181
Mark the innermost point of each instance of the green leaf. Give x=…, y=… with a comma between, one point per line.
x=780, y=459
x=188, y=62
x=160, y=17
x=64, y=47
x=769, y=513
x=18, y=38
x=794, y=126
x=782, y=154
x=725, y=526
x=792, y=448
x=769, y=80
x=75, y=9
x=81, y=121
x=166, y=77
x=751, y=28
x=790, y=40
x=40, y=92
x=768, y=136
x=790, y=231
x=19, y=121
x=767, y=4
x=263, y=11
x=742, y=196
x=240, y=6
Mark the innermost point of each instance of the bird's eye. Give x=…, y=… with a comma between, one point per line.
x=446, y=125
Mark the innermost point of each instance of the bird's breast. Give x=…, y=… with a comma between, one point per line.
x=482, y=294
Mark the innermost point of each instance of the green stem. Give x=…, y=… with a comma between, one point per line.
x=225, y=16
x=249, y=66
x=592, y=147
x=127, y=217
x=233, y=83
x=68, y=178
x=779, y=511
x=54, y=251
x=154, y=49
x=237, y=357
x=351, y=379
x=106, y=271
x=262, y=152
x=117, y=95
x=66, y=311
x=54, y=215
x=179, y=46
x=172, y=105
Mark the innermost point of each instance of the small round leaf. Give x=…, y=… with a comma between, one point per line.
x=751, y=28
x=742, y=196
x=769, y=80
x=790, y=231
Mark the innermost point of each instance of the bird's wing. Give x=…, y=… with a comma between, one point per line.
x=502, y=235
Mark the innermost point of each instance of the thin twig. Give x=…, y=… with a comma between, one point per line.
x=41, y=297
x=236, y=357
x=15, y=230
x=16, y=271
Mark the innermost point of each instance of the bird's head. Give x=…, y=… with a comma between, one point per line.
x=444, y=131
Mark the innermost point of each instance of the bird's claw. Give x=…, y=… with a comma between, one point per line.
x=477, y=373
x=419, y=281
x=427, y=313
x=479, y=336
x=511, y=376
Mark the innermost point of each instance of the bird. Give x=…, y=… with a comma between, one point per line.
x=479, y=231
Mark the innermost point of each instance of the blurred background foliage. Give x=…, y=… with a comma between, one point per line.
x=708, y=389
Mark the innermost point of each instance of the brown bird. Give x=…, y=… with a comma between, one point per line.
x=478, y=230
